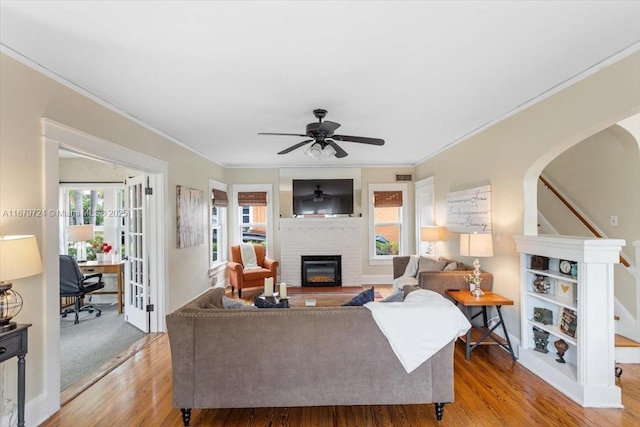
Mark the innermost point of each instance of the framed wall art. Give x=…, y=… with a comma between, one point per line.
x=469, y=211
x=190, y=217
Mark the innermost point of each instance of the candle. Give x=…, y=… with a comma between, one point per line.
x=268, y=286
x=283, y=290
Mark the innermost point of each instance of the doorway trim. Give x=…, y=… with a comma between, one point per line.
x=54, y=136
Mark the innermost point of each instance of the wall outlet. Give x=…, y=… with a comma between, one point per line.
x=614, y=220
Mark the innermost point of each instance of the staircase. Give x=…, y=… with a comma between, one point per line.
x=626, y=350
x=627, y=326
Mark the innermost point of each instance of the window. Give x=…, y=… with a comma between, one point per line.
x=387, y=219
x=100, y=205
x=219, y=203
x=253, y=204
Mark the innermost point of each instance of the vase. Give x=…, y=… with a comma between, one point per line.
x=101, y=257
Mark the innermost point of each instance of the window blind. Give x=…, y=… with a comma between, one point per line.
x=252, y=198
x=387, y=199
x=220, y=198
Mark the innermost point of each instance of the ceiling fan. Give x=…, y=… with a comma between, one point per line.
x=323, y=138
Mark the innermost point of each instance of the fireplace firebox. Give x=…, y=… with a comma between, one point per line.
x=321, y=270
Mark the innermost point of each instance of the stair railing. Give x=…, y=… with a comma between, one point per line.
x=582, y=218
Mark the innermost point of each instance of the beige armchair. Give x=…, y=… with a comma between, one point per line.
x=241, y=278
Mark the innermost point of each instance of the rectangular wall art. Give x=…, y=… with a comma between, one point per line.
x=190, y=205
x=469, y=211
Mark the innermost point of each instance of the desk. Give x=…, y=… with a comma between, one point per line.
x=14, y=343
x=105, y=267
x=477, y=335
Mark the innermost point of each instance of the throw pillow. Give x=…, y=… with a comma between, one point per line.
x=362, y=298
x=235, y=304
x=452, y=266
x=412, y=266
x=263, y=303
x=395, y=297
x=429, y=264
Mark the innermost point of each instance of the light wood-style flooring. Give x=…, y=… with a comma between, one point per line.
x=490, y=390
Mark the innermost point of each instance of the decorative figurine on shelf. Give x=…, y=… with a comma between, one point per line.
x=562, y=347
x=541, y=339
x=543, y=315
x=541, y=285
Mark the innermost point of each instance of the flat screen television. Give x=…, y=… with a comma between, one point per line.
x=322, y=196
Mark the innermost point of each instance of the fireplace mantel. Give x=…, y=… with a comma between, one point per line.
x=321, y=236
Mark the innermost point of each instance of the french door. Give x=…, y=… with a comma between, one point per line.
x=137, y=285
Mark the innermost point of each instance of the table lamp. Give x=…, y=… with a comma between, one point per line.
x=476, y=245
x=19, y=258
x=78, y=234
x=431, y=234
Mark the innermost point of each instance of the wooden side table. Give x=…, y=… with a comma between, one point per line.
x=478, y=335
x=14, y=343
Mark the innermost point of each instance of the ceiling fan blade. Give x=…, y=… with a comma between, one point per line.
x=328, y=127
x=340, y=153
x=283, y=134
x=360, y=139
x=293, y=147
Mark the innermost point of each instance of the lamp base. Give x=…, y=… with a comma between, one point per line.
x=477, y=292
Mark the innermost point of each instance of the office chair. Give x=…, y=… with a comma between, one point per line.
x=74, y=284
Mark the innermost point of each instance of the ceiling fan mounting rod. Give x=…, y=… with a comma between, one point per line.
x=320, y=114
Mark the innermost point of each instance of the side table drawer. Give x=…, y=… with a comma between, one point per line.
x=11, y=346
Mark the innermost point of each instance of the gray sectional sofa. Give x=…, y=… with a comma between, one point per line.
x=440, y=281
x=312, y=356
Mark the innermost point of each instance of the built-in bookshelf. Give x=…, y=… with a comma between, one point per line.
x=572, y=279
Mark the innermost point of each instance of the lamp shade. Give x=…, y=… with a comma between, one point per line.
x=477, y=245
x=80, y=233
x=431, y=234
x=19, y=257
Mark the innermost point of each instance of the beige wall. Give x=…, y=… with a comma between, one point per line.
x=511, y=154
x=601, y=177
x=25, y=97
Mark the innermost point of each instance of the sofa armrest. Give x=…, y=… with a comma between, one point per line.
x=235, y=273
x=440, y=281
x=272, y=265
x=399, y=265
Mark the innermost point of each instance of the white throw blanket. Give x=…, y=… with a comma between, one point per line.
x=248, y=254
x=420, y=326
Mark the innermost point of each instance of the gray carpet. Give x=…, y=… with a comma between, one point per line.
x=92, y=342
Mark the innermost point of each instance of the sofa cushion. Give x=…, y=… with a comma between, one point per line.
x=231, y=303
x=362, y=298
x=407, y=289
x=452, y=266
x=263, y=303
x=430, y=264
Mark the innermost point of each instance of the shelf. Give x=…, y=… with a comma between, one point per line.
x=548, y=362
x=477, y=333
x=552, y=299
x=554, y=330
x=587, y=377
x=553, y=273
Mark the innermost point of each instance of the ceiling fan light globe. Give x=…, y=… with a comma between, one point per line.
x=328, y=152
x=315, y=151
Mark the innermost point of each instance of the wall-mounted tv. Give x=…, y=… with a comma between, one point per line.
x=322, y=196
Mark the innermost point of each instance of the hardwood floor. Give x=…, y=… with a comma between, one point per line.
x=490, y=390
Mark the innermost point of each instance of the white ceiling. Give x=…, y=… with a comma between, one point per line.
x=421, y=75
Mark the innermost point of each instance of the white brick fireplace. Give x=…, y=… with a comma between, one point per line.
x=321, y=236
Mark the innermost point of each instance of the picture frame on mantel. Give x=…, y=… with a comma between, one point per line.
x=469, y=211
